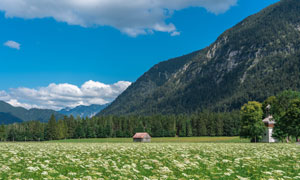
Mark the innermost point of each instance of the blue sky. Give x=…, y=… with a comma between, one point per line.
x=98, y=47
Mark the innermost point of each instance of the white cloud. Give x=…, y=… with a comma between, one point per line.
x=133, y=17
x=12, y=44
x=16, y=103
x=4, y=96
x=175, y=33
x=57, y=96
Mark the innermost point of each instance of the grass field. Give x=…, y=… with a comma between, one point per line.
x=160, y=140
x=172, y=160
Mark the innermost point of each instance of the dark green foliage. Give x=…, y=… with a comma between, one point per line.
x=257, y=58
x=12, y=134
x=292, y=118
x=267, y=104
x=281, y=105
x=2, y=133
x=79, y=132
x=71, y=124
x=62, y=129
x=252, y=125
x=52, y=129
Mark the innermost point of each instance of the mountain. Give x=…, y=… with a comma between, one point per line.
x=83, y=111
x=7, y=118
x=10, y=113
x=257, y=58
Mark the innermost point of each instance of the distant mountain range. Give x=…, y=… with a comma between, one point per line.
x=10, y=114
x=83, y=111
x=255, y=59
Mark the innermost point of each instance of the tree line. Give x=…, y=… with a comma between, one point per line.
x=198, y=124
x=284, y=107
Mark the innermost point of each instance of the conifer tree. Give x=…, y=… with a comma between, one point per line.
x=52, y=128
x=2, y=133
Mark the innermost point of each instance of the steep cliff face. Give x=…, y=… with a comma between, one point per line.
x=257, y=58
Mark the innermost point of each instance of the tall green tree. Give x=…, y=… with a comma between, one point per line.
x=12, y=134
x=79, y=132
x=292, y=119
x=37, y=131
x=181, y=126
x=90, y=129
x=252, y=125
x=61, y=129
x=189, y=129
x=108, y=130
x=2, y=133
x=52, y=128
x=279, y=109
x=71, y=124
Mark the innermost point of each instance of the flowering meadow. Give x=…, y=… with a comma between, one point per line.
x=149, y=161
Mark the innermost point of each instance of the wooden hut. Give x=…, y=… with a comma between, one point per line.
x=142, y=137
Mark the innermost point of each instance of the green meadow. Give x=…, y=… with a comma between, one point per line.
x=163, y=158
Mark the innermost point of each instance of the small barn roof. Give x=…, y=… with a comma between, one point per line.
x=141, y=135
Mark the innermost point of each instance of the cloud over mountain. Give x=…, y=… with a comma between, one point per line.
x=133, y=17
x=57, y=96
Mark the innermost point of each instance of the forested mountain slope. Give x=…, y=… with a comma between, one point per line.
x=257, y=58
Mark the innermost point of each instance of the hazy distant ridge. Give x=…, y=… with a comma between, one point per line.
x=83, y=111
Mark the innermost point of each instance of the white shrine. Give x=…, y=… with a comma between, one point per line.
x=269, y=123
